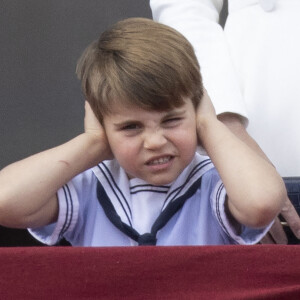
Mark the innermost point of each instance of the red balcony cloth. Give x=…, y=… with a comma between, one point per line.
x=190, y=272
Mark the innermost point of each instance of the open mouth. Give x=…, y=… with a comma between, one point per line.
x=159, y=161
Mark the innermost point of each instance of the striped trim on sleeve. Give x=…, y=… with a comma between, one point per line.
x=67, y=217
x=243, y=236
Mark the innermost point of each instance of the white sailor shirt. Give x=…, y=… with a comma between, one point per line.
x=101, y=207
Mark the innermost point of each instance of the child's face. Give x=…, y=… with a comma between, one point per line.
x=153, y=146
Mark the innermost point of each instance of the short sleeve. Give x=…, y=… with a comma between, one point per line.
x=67, y=218
x=244, y=236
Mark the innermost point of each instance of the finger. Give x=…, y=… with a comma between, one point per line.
x=277, y=233
x=292, y=218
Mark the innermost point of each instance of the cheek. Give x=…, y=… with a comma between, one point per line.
x=188, y=147
x=186, y=139
x=124, y=152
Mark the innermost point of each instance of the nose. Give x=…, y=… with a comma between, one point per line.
x=154, y=140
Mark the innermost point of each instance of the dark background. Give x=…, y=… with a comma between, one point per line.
x=41, y=102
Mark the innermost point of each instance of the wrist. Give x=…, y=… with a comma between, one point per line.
x=95, y=150
x=205, y=127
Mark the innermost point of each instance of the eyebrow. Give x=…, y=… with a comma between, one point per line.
x=177, y=112
x=125, y=123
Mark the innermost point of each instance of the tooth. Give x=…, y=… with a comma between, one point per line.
x=160, y=160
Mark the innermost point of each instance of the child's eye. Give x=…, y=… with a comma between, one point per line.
x=172, y=120
x=130, y=127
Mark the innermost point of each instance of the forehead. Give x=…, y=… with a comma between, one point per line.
x=131, y=111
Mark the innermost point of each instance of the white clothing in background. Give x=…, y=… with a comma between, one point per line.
x=252, y=67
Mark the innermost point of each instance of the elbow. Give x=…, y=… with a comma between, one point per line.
x=3, y=205
x=263, y=217
x=260, y=208
x=4, y=210
x=8, y=213
x=266, y=208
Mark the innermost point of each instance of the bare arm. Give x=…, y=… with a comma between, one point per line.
x=28, y=187
x=255, y=190
x=235, y=124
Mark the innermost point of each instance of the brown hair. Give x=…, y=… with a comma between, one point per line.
x=139, y=61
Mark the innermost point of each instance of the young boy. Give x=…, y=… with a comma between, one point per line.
x=134, y=177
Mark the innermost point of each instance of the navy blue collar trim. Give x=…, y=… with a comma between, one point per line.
x=178, y=190
x=161, y=221
x=115, y=187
